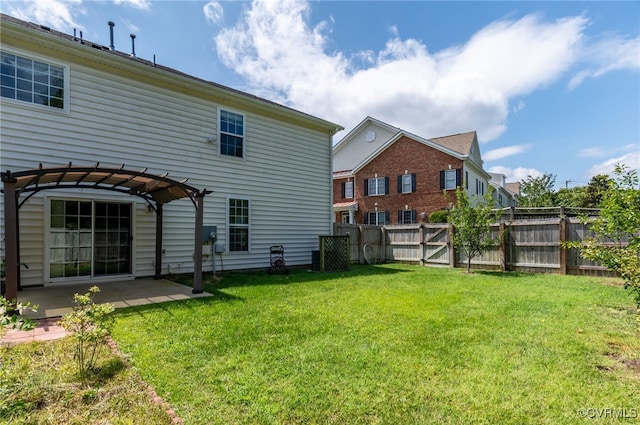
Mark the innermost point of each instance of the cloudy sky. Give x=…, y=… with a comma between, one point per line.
x=549, y=86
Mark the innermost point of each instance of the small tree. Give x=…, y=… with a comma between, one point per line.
x=537, y=191
x=472, y=219
x=617, y=241
x=10, y=315
x=89, y=323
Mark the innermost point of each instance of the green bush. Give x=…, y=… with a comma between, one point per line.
x=441, y=216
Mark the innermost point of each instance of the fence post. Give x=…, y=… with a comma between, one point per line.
x=503, y=246
x=421, y=250
x=360, y=244
x=451, y=246
x=383, y=244
x=562, y=237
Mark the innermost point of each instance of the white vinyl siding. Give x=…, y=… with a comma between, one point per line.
x=115, y=120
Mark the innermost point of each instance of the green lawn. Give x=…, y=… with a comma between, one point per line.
x=392, y=344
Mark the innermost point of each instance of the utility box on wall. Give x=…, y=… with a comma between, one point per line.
x=207, y=232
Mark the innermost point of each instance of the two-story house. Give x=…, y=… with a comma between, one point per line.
x=73, y=112
x=386, y=175
x=503, y=193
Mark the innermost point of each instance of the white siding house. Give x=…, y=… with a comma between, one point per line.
x=268, y=166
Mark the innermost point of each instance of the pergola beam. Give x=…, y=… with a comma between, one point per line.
x=11, y=238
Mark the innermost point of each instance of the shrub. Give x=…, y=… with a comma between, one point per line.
x=90, y=324
x=439, y=216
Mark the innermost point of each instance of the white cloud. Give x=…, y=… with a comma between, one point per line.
x=516, y=174
x=608, y=55
x=591, y=153
x=631, y=159
x=138, y=4
x=213, y=12
x=58, y=14
x=500, y=153
x=463, y=88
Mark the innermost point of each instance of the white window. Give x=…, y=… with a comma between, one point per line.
x=407, y=185
x=32, y=81
x=238, y=220
x=345, y=217
x=407, y=216
x=378, y=218
x=377, y=186
x=231, y=137
x=348, y=189
x=450, y=179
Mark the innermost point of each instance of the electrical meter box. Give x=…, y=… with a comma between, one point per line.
x=209, y=234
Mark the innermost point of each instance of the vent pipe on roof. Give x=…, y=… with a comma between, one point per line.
x=111, y=25
x=133, y=45
x=74, y=35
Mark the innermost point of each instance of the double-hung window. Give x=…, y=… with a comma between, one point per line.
x=407, y=216
x=376, y=186
x=347, y=190
x=231, y=128
x=450, y=179
x=407, y=183
x=378, y=218
x=32, y=81
x=238, y=224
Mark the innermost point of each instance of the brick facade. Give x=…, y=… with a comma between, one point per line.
x=404, y=156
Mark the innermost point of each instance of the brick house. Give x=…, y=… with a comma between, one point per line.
x=386, y=175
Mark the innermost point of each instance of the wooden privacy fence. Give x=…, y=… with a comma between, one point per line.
x=527, y=245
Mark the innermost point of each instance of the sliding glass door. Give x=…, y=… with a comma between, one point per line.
x=89, y=238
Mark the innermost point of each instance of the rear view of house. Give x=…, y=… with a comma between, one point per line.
x=80, y=117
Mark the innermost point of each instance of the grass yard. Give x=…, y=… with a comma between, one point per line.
x=392, y=344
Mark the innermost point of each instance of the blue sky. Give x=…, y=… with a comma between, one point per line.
x=549, y=86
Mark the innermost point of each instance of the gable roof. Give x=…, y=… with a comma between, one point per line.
x=72, y=46
x=348, y=160
x=460, y=143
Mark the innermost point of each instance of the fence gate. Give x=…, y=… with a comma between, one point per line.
x=436, y=244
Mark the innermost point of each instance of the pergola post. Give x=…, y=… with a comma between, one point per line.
x=197, y=255
x=11, y=238
x=158, y=271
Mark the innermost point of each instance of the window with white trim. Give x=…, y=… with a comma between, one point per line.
x=31, y=81
x=231, y=129
x=238, y=225
x=450, y=179
x=377, y=186
x=378, y=218
x=407, y=216
x=348, y=190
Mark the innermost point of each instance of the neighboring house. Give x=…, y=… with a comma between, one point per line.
x=503, y=195
x=262, y=171
x=386, y=175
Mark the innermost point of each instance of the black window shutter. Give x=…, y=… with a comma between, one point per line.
x=441, y=179
x=366, y=188
x=399, y=216
x=386, y=217
x=343, y=190
x=414, y=216
x=399, y=184
x=386, y=185
x=458, y=177
x=366, y=218
x=413, y=182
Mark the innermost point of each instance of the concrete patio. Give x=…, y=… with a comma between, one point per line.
x=56, y=301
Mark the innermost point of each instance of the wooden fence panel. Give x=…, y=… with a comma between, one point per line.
x=528, y=246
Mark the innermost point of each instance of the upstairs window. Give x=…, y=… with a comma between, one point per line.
x=450, y=179
x=407, y=183
x=376, y=186
x=347, y=190
x=31, y=81
x=231, y=138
